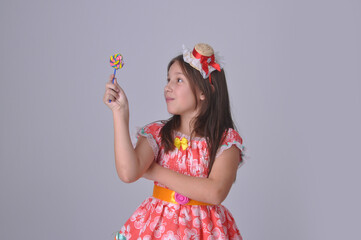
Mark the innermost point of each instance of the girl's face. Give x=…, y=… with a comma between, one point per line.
x=178, y=93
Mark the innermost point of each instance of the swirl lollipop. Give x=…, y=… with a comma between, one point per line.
x=116, y=61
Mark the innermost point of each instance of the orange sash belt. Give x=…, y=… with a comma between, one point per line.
x=173, y=197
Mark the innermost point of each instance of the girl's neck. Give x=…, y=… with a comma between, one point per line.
x=186, y=126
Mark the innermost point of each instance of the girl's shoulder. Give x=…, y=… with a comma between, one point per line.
x=231, y=135
x=231, y=138
x=153, y=127
x=151, y=132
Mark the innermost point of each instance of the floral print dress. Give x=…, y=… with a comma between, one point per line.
x=158, y=219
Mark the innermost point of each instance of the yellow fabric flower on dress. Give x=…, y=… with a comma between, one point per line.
x=181, y=143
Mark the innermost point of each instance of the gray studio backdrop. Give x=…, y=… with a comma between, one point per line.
x=293, y=69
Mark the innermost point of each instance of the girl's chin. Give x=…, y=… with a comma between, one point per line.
x=172, y=112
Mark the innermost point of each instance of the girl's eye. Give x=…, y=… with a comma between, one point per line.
x=179, y=80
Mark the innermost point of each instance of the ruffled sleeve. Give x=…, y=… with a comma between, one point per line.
x=232, y=138
x=152, y=133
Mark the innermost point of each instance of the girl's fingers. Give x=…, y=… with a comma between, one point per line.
x=114, y=86
x=111, y=77
x=113, y=93
x=114, y=98
x=111, y=97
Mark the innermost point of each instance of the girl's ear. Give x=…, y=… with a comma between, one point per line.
x=202, y=96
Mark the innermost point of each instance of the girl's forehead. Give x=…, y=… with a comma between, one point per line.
x=175, y=68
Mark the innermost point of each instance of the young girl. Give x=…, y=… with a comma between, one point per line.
x=192, y=157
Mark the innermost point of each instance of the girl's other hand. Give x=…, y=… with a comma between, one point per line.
x=116, y=94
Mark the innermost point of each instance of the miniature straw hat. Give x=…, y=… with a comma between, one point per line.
x=201, y=58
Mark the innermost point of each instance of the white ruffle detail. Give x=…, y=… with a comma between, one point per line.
x=187, y=57
x=219, y=59
x=152, y=142
x=240, y=146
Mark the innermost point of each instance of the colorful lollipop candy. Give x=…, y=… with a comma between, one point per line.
x=116, y=61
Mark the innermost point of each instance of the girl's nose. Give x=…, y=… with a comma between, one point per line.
x=167, y=88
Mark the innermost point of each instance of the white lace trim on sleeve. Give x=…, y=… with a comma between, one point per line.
x=228, y=145
x=152, y=142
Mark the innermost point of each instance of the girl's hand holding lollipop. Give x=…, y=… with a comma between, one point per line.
x=116, y=61
x=114, y=96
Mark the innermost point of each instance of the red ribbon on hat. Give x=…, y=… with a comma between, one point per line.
x=206, y=61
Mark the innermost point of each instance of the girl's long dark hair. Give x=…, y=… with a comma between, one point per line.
x=214, y=116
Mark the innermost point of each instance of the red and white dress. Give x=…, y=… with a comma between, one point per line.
x=158, y=219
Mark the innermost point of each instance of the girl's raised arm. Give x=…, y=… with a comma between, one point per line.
x=130, y=163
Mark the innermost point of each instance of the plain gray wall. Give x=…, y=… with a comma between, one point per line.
x=293, y=69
